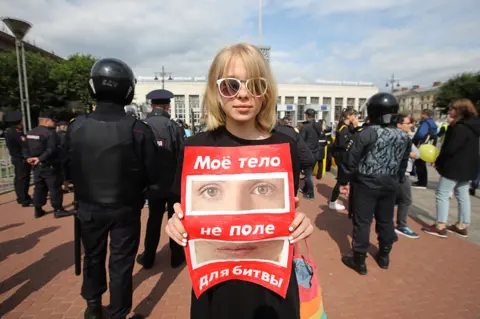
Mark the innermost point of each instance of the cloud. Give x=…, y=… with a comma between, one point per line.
x=355, y=40
x=183, y=35
x=370, y=40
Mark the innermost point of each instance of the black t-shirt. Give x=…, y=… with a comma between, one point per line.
x=237, y=299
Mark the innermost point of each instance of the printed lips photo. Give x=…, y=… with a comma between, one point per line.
x=235, y=194
x=270, y=250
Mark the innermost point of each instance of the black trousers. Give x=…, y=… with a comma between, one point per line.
x=328, y=165
x=123, y=226
x=156, y=205
x=367, y=203
x=47, y=179
x=422, y=173
x=22, y=179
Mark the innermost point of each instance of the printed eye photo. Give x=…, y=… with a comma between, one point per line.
x=208, y=251
x=238, y=193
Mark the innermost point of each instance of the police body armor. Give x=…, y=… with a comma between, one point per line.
x=385, y=155
x=105, y=168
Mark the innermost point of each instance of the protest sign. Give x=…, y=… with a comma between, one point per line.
x=239, y=204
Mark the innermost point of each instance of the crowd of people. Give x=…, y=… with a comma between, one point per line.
x=117, y=163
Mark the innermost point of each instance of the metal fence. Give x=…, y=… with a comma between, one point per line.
x=7, y=172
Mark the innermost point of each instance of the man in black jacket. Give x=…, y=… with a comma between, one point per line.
x=376, y=162
x=306, y=157
x=43, y=153
x=170, y=137
x=16, y=143
x=112, y=158
x=311, y=133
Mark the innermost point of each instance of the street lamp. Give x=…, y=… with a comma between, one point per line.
x=163, y=74
x=20, y=28
x=392, y=82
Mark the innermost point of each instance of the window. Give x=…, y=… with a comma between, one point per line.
x=180, y=107
x=279, y=100
x=338, y=107
x=289, y=100
x=194, y=105
x=327, y=101
x=361, y=102
x=350, y=102
x=301, y=108
x=314, y=100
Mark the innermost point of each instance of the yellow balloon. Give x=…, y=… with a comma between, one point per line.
x=428, y=153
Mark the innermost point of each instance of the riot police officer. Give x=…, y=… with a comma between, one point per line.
x=44, y=155
x=112, y=159
x=375, y=163
x=16, y=143
x=62, y=134
x=170, y=137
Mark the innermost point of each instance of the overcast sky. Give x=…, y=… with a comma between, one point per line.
x=421, y=41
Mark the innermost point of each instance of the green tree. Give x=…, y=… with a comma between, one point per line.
x=41, y=87
x=463, y=86
x=72, y=76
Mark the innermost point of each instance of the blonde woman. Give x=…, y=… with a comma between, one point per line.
x=239, y=103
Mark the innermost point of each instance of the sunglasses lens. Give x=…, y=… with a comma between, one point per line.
x=257, y=87
x=229, y=87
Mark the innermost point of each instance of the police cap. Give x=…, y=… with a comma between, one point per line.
x=13, y=117
x=112, y=80
x=160, y=97
x=48, y=114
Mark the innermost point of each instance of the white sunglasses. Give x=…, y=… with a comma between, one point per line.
x=230, y=87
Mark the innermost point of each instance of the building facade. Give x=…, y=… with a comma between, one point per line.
x=328, y=98
x=413, y=101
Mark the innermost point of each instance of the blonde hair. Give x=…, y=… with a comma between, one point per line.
x=256, y=66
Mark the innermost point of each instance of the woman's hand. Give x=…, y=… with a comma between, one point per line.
x=301, y=228
x=175, y=229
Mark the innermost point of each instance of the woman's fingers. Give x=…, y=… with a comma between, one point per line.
x=175, y=229
x=301, y=228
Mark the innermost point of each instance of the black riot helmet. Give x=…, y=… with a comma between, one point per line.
x=112, y=80
x=381, y=107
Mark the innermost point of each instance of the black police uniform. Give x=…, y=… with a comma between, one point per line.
x=343, y=136
x=375, y=164
x=328, y=136
x=170, y=137
x=16, y=143
x=112, y=158
x=47, y=174
x=61, y=146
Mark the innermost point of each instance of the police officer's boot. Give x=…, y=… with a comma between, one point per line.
x=59, y=213
x=94, y=309
x=383, y=256
x=356, y=262
x=39, y=212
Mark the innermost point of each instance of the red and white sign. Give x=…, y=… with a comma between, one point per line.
x=238, y=204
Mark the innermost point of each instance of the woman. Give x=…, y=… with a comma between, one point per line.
x=404, y=191
x=343, y=135
x=457, y=165
x=240, y=101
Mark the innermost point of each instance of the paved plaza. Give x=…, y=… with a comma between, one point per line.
x=429, y=277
